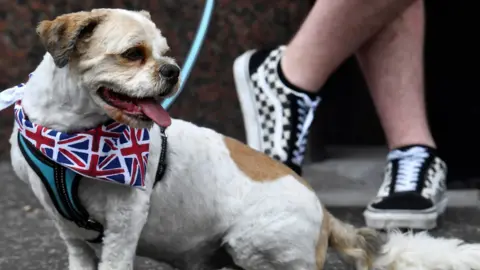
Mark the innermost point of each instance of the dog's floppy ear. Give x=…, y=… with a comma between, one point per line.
x=60, y=36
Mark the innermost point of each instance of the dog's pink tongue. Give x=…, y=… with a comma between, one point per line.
x=155, y=112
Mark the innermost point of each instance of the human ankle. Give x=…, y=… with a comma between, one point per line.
x=405, y=141
x=295, y=77
x=292, y=86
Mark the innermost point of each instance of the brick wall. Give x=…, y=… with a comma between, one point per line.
x=209, y=98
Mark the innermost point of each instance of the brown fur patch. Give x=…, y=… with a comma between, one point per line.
x=256, y=165
x=146, y=51
x=60, y=36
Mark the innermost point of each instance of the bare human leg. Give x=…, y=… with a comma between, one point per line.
x=392, y=62
x=277, y=89
x=413, y=191
x=332, y=32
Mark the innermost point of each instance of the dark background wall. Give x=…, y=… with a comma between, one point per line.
x=346, y=115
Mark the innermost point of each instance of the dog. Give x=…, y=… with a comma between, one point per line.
x=219, y=204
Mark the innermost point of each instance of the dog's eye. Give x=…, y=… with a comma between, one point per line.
x=134, y=54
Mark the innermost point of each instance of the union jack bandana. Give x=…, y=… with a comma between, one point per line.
x=112, y=152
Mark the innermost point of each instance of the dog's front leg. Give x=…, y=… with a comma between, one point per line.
x=126, y=215
x=80, y=255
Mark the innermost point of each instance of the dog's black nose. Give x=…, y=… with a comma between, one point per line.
x=169, y=71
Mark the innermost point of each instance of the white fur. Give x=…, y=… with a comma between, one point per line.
x=58, y=94
x=204, y=200
x=423, y=252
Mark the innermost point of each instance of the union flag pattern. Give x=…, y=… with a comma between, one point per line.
x=112, y=152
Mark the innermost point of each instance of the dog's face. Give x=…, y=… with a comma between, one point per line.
x=119, y=56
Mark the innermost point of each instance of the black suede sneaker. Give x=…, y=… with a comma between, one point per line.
x=413, y=193
x=277, y=118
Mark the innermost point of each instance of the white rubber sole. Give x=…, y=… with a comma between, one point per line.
x=246, y=98
x=391, y=219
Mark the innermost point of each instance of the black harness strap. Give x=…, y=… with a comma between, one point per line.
x=162, y=163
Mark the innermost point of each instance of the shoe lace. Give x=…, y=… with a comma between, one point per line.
x=410, y=163
x=306, y=112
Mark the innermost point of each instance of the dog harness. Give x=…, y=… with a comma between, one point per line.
x=112, y=152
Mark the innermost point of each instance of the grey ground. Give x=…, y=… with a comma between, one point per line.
x=28, y=239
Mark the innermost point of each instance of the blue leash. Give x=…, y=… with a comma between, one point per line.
x=194, y=51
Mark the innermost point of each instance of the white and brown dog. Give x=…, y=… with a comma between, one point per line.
x=217, y=195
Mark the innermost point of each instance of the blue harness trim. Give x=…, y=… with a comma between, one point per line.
x=62, y=186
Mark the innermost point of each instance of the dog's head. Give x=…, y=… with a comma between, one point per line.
x=119, y=57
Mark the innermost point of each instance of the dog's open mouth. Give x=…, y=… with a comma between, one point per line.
x=140, y=108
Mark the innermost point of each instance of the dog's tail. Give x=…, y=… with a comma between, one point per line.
x=369, y=249
x=359, y=246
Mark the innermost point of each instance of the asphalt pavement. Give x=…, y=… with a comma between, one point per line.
x=29, y=241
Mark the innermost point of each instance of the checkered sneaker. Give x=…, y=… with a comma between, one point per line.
x=413, y=193
x=277, y=118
